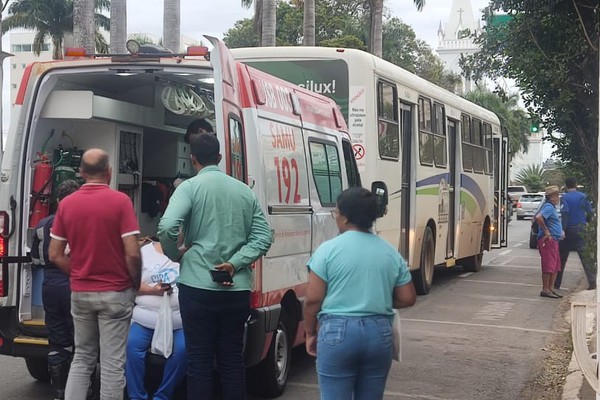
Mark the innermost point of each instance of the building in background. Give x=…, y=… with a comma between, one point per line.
x=21, y=45
x=456, y=38
x=534, y=155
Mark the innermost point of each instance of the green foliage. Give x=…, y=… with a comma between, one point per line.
x=54, y=19
x=345, y=23
x=550, y=49
x=512, y=117
x=532, y=176
x=141, y=38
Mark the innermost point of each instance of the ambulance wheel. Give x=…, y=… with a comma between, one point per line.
x=423, y=277
x=38, y=369
x=269, y=378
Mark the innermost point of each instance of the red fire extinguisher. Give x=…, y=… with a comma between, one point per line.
x=41, y=190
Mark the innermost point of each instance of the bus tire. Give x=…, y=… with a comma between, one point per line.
x=473, y=263
x=38, y=369
x=269, y=378
x=423, y=277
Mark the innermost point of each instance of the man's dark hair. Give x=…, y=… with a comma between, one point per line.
x=359, y=205
x=571, y=183
x=205, y=148
x=66, y=188
x=98, y=167
x=195, y=127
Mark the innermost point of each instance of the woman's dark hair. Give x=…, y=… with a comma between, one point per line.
x=205, y=148
x=359, y=205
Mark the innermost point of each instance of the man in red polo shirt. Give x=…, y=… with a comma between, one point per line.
x=100, y=226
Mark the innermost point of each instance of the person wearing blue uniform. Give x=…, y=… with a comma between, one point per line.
x=575, y=209
x=56, y=296
x=355, y=281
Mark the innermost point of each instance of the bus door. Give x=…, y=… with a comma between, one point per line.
x=500, y=151
x=452, y=133
x=406, y=122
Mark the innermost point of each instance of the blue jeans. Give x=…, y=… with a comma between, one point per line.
x=139, y=342
x=214, y=323
x=354, y=355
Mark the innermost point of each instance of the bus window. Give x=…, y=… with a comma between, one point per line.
x=350, y=162
x=487, y=132
x=467, y=150
x=325, y=162
x=387, y=121
x=439, y=137
x=426, y=142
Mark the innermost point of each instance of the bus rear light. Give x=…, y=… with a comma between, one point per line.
x=75, y=52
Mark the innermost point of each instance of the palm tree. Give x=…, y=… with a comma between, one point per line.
x=172, y=25
x=309, y=23
x=118, y=26
x=532, y=176
x=375, y=37
x=265, y=19
x=84, y=25
x=50, y=18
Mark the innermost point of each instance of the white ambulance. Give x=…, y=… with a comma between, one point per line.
x=290, y=145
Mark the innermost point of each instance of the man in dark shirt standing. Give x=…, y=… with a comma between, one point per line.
x=56, y=297
x=574, y=210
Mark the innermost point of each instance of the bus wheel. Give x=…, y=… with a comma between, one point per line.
x=38, y=369
x=269, y=378
x=423, y=277
x=473, y=263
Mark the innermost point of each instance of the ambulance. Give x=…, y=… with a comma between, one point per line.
x=288, y=144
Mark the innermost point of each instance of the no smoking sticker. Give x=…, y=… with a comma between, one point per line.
x=359, y=151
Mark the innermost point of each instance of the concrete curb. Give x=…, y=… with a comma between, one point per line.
x=575, y=379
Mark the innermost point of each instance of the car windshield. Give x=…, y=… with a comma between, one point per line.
x=531, y=197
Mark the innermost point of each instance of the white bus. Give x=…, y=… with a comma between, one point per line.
x=442, y=159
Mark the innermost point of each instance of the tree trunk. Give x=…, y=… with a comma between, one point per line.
x=269, y=22
x=57, y=50
x=375, y=38
x=309, y=23
x=84, y=32
x=172, y=25
x=118, y=26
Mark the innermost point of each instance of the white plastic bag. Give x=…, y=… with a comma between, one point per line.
x=397, y=337
x=162, y=339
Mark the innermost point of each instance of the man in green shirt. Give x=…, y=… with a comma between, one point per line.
x=224, y=229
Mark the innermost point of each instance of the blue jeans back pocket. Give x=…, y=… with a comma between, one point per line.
x=385, y=329
x=332, y=331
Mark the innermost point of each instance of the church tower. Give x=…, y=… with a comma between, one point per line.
x=455, y=39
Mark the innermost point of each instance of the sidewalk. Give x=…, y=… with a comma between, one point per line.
x=576, y=386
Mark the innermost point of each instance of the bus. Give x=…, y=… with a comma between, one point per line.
x=442, y=159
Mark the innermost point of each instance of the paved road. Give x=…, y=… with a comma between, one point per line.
x=475, y=336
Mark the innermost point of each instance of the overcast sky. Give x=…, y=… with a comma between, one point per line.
x=200, y=17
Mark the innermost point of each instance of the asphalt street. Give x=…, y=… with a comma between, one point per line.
x=475, y=336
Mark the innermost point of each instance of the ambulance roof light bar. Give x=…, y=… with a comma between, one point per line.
x=136, y=49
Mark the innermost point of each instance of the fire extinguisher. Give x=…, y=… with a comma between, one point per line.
x=41, y=190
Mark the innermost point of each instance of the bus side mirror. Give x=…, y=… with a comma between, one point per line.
x=380, y=191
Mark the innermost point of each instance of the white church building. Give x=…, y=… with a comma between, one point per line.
x=454, y=40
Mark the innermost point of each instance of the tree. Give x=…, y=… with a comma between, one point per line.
x=309, y=23
x=512, y=117
x=84, y=25
x=241, y=35
x=269, y=26
x=376, y=25
x=172, y=25
x=118, y=26
x=550, y=49
x=51, y=18
x=532, y=176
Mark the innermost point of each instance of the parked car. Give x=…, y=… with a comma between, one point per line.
x=515, y=193
x=528, y=204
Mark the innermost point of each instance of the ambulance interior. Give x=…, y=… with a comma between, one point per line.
x=138, y=114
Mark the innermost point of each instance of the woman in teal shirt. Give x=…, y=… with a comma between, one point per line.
x=355, y=280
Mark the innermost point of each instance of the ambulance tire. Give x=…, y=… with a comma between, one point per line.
x=423, y=277
x=38, y=369
x=269, y=378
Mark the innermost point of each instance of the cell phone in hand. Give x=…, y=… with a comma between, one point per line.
x=219, y=276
